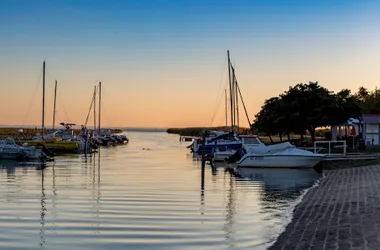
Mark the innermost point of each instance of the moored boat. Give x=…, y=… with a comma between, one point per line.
x=10, y=150
x=55, y=144
x=224, y=140
x=254, y=153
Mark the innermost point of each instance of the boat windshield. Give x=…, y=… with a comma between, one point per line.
x=225, y=136
x=251, y=141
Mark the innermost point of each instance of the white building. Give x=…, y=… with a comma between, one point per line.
x=371, y=128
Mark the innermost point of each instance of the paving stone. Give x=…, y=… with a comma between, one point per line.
x=342, y=212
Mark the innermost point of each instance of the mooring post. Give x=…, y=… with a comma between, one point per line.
x=86, y=143
x=203, y=159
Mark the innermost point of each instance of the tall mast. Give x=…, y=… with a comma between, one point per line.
x=94, y=100
x=225, y=104
x=43, y=100
x=100, y=102
x=245, y=109
x=89, y=111
x=237, y=99
x=231, y=92
x=55, y=99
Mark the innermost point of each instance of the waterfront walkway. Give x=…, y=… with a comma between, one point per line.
x=343, y=212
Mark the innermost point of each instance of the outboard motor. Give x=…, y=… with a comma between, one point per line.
x=46, y=150
x=236, y=156
x=118, y=139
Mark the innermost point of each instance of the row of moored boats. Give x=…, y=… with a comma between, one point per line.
x=22, y=147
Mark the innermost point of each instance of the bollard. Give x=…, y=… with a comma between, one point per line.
x=203, y=159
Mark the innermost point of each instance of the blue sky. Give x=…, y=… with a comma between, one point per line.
x=155, y=56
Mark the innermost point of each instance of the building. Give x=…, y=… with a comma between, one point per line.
x=368, y=127
x=371, y=128
x=349, y=128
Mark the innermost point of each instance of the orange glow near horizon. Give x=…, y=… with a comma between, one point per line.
x=182, y=105
x=167, y=67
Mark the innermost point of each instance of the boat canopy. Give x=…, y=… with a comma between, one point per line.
x=225, y=136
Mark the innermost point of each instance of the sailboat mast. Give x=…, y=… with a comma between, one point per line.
x=55, y=99
x=245, y=109
x=100, y=102
x=43, y=100
x=231, y=90
x=94, y=100
x=236, y=100
x=225, y=104
x=89, y=111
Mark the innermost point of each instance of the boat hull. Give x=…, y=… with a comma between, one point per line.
x=235, y=145
x=280, y=161
x=57, y=146
x=10, y=156
x=222, y=155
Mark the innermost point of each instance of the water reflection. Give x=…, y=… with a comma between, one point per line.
x=96, y=190
x=126, y=198
x=43, y=208
x=231, y=210
x=279, y=179
x=279, y=187
x=9, y=168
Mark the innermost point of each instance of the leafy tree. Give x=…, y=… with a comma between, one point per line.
x=306, y=107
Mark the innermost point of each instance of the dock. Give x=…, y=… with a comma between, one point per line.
x=351, y=157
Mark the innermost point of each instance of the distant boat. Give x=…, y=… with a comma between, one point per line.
x=105, y=137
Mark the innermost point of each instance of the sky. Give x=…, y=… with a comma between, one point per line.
x=164, y=63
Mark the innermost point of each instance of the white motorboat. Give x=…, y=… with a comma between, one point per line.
x=290, y=157
x=254, y=153
x=10, y=148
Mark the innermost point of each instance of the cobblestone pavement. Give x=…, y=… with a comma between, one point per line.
x=343, y=212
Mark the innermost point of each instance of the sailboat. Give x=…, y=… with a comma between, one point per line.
x=224, y=140
x=54, y=144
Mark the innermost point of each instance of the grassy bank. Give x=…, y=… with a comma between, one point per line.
x=196, y=131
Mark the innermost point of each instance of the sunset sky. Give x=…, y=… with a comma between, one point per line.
x=164, y=63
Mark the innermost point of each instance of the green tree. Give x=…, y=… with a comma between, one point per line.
x=305, y=107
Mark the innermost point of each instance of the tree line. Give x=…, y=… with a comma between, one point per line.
x=306, y=107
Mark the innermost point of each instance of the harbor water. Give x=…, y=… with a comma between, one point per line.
x=144, y=195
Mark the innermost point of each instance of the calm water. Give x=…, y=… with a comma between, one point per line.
x=144, y=195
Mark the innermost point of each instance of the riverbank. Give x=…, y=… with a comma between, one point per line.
x=197, y=131
x=342, y=212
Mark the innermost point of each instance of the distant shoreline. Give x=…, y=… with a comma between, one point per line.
x=143, y=129
x=196, y=131
x=9, y=131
